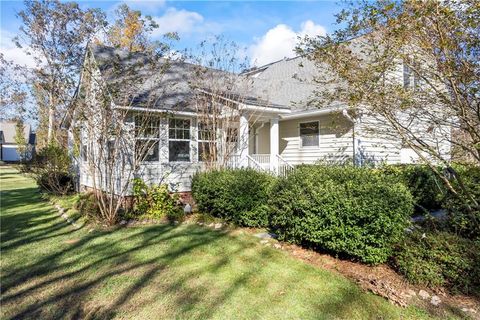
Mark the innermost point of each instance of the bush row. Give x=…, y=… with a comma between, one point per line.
x=346, y=210
x=430, y=193
x=440, y=259
x=239, y=196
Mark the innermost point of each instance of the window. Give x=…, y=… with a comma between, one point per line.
x=147, y=150
x=147, y=127
x=309, y=132
x=84, y=152
x=110, y=150
x=147, y=134
x=179, y=140
x=407, y=74
x=411, y=79
x=206, y=142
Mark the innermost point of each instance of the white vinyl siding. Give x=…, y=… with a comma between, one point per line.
x=335, y=140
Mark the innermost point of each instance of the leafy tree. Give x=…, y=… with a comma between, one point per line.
x=54, y=33
x=130, y=30
x=435, y=46
x=20, y=139
x=13, y=93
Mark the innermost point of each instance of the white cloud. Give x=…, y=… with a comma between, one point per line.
x=147, y=7
x=280, y=41
x=11, y=52
x=181, y=21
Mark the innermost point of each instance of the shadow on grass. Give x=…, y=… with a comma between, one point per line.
x=118, y=273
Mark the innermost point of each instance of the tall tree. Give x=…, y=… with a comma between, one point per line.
x=13, y=92
x=409, y=63
x=55, y=34
x=131, y=30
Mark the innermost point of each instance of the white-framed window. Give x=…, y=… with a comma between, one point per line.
x=309, y=134
x=179, y=140
x=207, y=144
x=411, y=79
x=147, y=136
x=84, y=152
x=407, y=76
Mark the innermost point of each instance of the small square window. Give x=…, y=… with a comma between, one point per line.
x=309, y=132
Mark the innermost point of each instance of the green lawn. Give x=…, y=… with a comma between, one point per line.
x=49, y=270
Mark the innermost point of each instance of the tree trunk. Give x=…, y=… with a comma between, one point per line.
x=51, y=118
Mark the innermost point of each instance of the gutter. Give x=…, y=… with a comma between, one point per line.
x=309, y=113
x=181, y=113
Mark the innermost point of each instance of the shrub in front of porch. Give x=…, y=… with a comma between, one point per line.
x=239, y=195
x=349, y=211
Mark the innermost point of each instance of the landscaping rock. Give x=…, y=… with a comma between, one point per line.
x=266, y=235
x=435, y=300
x=423, y=294
x=218, y=226
x=471, y=310
x=277, y=246
x=409, y=293
x=265, y=241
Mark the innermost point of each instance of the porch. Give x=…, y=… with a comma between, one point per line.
x=248, y=155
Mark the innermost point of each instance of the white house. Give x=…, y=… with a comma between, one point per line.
x=276, y=126
x=9, y=150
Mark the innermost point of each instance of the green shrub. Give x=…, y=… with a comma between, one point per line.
x=345, y=210
x=427, y=189
x=155, y=201
x=464, y=214
x=440, y=259
x=239, y=196
x=87, y=205
x=51, y=170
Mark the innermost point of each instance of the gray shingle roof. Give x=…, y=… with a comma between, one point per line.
x=168, y=84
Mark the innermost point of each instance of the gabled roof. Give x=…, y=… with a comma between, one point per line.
x=166, y=84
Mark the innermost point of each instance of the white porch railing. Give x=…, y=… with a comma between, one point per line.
x=284, y=167
x=261, y=162
x=254, y=164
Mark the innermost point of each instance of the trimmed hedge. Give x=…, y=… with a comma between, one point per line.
x=427, y=189
x=465, y=218
x=440, y=259
x=346, y=210
x=239, y=196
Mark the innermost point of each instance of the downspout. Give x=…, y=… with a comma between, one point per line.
x=349, y=117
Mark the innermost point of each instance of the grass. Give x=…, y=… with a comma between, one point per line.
x=49, y=270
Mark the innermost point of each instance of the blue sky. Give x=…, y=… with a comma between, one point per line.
x=266, y=29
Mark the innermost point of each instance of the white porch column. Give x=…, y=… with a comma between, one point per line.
x=274, y=144
x=243, y=140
